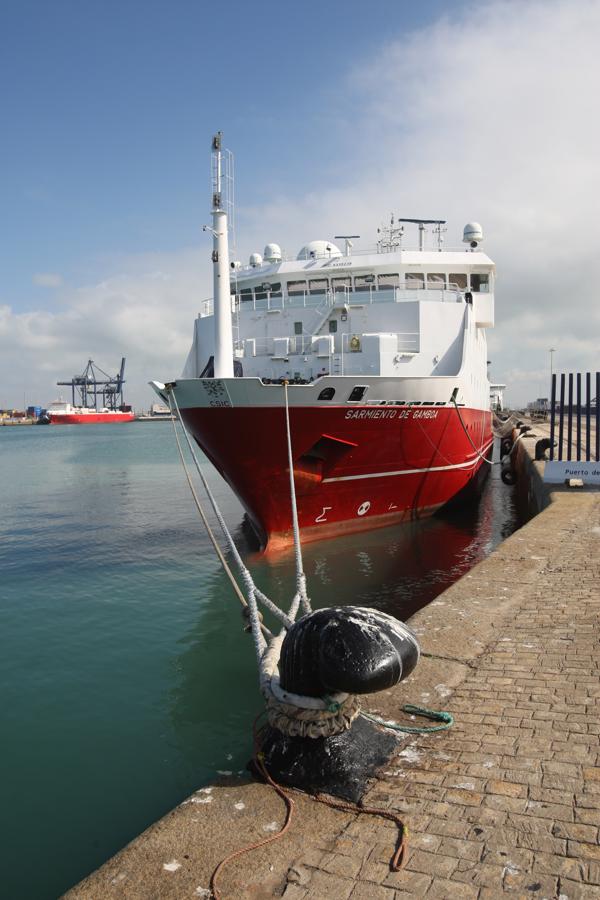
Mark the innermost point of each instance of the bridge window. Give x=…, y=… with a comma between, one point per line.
x=459, y=279
x=480, y=283
x=436, y=282
x=318, y=285
x=295, y=288
x=388, y=281
x=415, y=281
x=364, y=282
x=332, y=326
x=297, y=327
x=341, y=284
x=246, y=294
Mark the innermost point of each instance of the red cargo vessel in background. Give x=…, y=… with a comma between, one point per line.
x=97, y=398
x=61, y=413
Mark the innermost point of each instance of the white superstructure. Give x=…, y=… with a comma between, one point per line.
x=388, y=313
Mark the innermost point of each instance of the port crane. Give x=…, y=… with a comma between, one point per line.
x=95, y=383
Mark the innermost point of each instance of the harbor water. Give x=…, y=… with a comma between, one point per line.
x=126, y=680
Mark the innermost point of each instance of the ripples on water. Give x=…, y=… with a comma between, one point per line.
x=125, y=678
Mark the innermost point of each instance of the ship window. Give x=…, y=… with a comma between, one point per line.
x=332, y=326
x=262, y=291
x=296, y=287
x=357, y=393
x=435, y=281
x=415, y=281
x=327, y=393
x=317, y=285
x=388, y=281
x=297, y=327
x=364, y=282
x=246, y=294
x=458, y=279
x=480, y=283
x=341, y=284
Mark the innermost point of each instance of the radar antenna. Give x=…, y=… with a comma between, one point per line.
x=439, y=230
x=422, y=223
x=391, y=236
x=348, y=238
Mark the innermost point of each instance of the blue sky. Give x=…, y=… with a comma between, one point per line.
x=338, y=114
x=109, y=107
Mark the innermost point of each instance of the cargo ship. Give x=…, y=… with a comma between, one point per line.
x=379, y=357
x=62, y=413
x=96, y=398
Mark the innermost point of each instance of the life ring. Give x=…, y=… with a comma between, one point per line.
x=354, y=343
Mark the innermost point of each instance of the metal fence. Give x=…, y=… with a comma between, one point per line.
x=575, y=417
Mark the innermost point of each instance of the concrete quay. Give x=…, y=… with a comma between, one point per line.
x=505, y=802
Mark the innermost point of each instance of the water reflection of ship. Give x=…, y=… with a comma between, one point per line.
x=397, y=570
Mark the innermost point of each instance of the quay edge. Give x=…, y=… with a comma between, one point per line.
x=507, y=800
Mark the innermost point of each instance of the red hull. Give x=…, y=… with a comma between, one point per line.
x=90, y=418
x=354, y=469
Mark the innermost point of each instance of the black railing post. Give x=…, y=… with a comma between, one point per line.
x=570, y=420
x=588, y=400
x=552, y=414
x=597, y=416
x=561, y=422
x=579, y=417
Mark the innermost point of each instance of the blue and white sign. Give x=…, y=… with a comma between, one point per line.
x=556, y=472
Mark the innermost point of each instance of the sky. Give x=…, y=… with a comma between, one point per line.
x=338, y=114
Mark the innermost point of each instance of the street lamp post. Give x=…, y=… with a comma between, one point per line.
x=552, y=352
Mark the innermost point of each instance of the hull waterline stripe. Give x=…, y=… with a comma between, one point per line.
x=465, y=465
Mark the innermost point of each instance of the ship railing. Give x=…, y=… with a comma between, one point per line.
x=277, y=347
x=365, y=296
x=327, y=347
x=374, y=250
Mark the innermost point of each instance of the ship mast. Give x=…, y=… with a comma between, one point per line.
x=220, y=258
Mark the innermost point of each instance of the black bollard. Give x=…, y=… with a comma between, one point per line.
x=337, y=651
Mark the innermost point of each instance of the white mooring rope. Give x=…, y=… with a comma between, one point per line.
x=314, y=715
x=483, y=458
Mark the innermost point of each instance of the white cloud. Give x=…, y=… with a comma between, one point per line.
x=488, y=114
x=145, y=314
x=47, y=279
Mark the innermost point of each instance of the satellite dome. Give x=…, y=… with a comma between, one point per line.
x=272, y=253
x=319, y=250
x=255, y=260
x=472, y=234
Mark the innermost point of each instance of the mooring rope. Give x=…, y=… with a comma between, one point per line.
x=267, y=645
x=300, y=577
x=483, y=458
x=446, y=718
x=396, y=862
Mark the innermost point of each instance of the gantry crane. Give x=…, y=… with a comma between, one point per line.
x=88, y=387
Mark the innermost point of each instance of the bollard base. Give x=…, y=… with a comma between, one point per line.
x=339, y=765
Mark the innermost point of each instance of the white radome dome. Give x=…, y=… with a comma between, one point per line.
x=255, y=260
x=473, y=233
x=272, y=253
x=319, y=250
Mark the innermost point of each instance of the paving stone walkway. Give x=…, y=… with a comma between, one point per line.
x=508, y=800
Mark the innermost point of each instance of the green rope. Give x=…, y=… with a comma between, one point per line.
x=436, y=715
